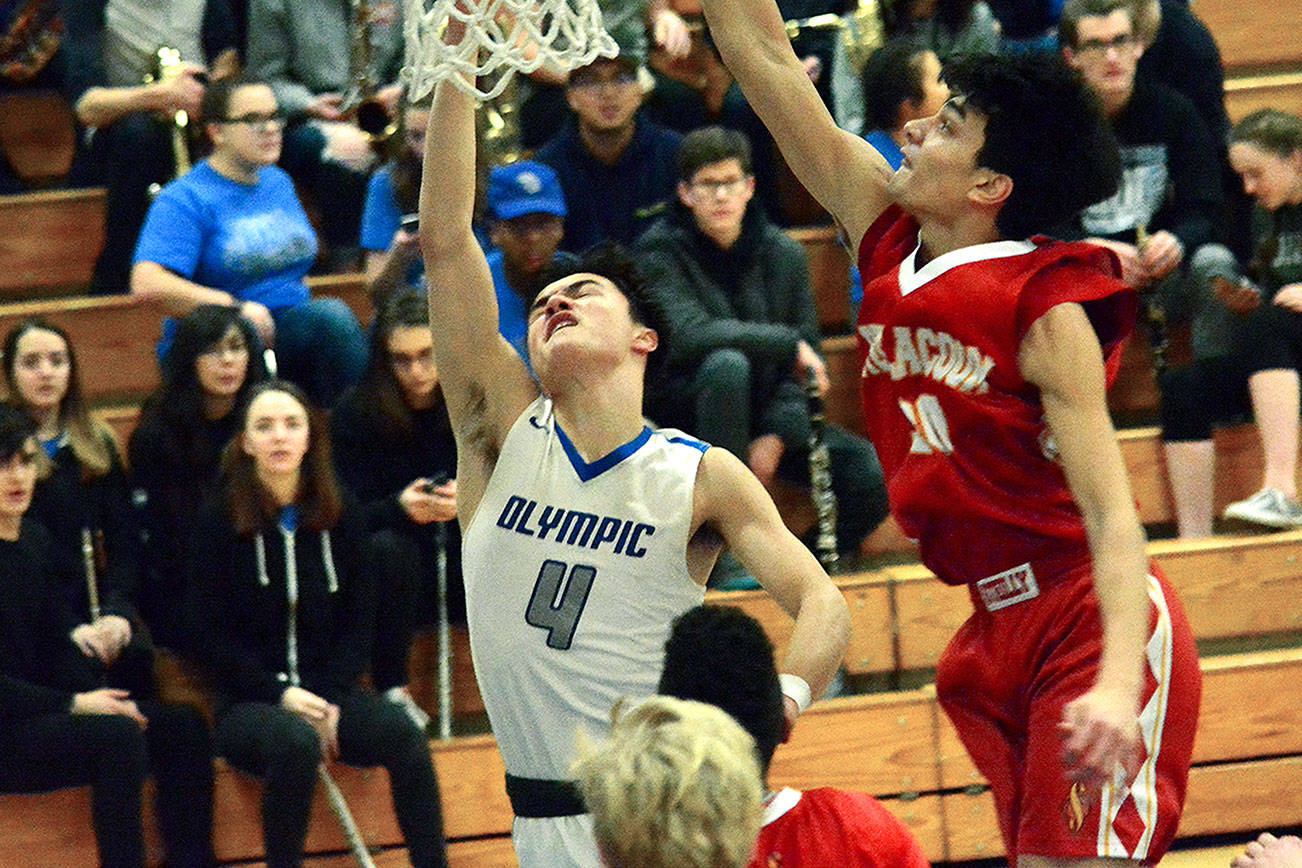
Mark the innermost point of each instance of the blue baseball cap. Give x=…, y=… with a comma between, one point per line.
x=524, y=188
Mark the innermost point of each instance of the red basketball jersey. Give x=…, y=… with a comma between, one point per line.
x=970, y=465
x=826, y=827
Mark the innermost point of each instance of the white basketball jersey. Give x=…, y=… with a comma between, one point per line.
x=573, y=573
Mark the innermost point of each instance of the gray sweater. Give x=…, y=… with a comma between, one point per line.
x=302, y=47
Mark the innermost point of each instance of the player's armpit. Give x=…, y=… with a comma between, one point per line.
x=730, y=499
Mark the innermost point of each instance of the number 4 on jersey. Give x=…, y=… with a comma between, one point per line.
x=930, y=428
x=557, y=604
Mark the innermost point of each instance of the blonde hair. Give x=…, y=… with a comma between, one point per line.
x=677, y=785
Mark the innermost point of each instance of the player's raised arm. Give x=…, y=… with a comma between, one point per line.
x=842, y=171
x=1061, y=355
x=732, y=501
x=485, y=383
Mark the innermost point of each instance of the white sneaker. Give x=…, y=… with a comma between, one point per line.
x=401, y=696
x=1270, y=507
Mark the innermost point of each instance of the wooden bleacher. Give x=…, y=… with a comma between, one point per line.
x=897, y=745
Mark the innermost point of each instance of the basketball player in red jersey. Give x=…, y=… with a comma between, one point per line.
x=1075, y=684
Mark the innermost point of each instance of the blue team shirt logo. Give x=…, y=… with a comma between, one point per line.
x=572, y=527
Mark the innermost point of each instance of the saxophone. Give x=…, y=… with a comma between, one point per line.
x=370, y=115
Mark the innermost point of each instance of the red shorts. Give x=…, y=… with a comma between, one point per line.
x=1004, y=680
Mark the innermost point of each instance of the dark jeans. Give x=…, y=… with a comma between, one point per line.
x=126, y=158
x=113, y=755
x=407, y=565
x=321, y=347
x=282, y=749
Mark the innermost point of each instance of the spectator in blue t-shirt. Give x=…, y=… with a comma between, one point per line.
x=615, y=165
x=392, y=253
x=232, y=231
x=526, y=212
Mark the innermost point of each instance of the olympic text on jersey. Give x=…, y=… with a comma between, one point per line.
x=575, y=528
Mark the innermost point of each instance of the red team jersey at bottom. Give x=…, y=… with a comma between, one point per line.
x=825, y=827
x=973, y=475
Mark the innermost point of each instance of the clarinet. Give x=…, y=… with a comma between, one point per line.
x=88, y=563
x=820, y=479
x=1159, y=336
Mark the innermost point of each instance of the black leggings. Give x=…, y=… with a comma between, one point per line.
x=113, y=755
x=282, y=749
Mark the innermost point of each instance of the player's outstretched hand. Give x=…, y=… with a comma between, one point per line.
x=1099, y=730
x=1271, y=852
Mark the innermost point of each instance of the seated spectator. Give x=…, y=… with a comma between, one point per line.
x=111, y=48
x=304, y=49
x=392, y=252
x=1027, y=25
x=901, y=83
x=721, y=656
x=1266, y=150
x=675, y=786
x=1271, y=852
x=526, y=213
x=616, y=167
x=61, y=727
x=282, y=616
x=1166, y=208
x=233, y=232
x=947, y=27
x=83, y=500
x=742, y=331
x=30, y=33
x=395, y=452
x=176, y=449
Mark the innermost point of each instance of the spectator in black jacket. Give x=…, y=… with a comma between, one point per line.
x=59, y=726
x=83, y=500
x=395, y=451
x=742, y=332
x=175, y=451
x=282, y=615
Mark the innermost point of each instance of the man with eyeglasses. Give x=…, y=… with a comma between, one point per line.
x=616, y=166
x=1167, y=208
x=743, y=332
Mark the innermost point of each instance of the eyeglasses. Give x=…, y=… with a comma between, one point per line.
x=718, y=188
x=275, y=120
x=1101, y=46
x=591, y=82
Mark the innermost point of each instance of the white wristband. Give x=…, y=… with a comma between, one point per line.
x=797, y=688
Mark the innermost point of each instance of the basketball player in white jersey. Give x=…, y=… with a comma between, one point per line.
x=585, y=532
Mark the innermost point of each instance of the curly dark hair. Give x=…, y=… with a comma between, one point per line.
x=1044, y=129
x=721, y=655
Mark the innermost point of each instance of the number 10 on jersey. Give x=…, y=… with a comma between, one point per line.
x=930, y=427
x=557, y=602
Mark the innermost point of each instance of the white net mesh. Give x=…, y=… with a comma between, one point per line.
x=502, y=37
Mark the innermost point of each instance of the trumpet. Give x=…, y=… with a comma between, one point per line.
x=370, y=115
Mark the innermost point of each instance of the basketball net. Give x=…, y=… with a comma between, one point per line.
x=502, y=37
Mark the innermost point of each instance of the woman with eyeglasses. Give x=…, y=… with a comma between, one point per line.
x=176, y=448
x=232, y=231
x=395, y=451
x=82, y=502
